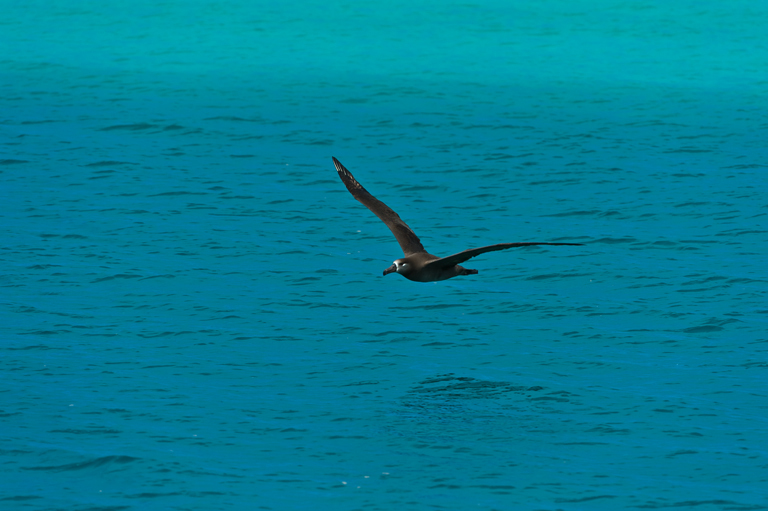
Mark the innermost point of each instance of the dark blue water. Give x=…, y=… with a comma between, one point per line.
x=193, y=312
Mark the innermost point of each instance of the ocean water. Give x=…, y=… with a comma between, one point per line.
x=193, y=312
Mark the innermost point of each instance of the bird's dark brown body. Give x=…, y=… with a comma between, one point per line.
x=417, y=269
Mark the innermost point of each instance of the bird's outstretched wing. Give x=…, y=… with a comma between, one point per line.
x=455, y=259
x=407, y=239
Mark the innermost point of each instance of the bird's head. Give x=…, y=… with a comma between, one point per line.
x=400, y=266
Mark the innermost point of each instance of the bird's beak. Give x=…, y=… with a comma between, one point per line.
x=391, y=269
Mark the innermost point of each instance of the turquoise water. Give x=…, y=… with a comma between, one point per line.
x=193, y=312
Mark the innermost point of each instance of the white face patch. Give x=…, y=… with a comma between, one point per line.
x=401, y=267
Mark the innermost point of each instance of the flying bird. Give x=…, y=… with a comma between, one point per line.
x=418, y=265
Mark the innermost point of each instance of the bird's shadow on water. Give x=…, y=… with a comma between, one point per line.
x=470, y=420
x=450, y=399
x=451, y=387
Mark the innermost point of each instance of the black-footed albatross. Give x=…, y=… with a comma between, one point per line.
x=418, y=265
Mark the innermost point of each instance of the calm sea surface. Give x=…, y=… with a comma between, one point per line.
x=193, y=315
